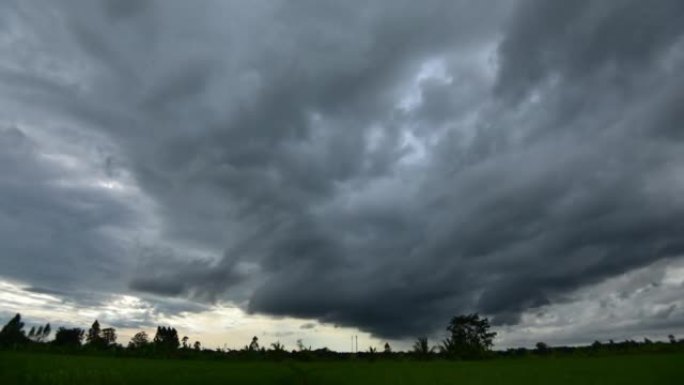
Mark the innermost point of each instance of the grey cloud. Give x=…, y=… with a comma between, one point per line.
x=54, y=229
x=272, y=138
x=577, y=39
x=308, y=325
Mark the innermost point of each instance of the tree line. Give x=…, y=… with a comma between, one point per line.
x=468, y=337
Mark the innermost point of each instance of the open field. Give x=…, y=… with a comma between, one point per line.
x=26, y=368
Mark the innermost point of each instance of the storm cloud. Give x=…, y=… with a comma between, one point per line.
x=381, y=165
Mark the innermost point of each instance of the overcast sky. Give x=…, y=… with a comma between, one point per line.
x=315, y=169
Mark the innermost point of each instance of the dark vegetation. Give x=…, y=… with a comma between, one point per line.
x=469, y=338
x=465, y=356
x=18, y=368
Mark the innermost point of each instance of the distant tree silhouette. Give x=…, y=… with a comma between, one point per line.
x=108, y=336
x=184, y=340
x=469, y=337
x=672, y=339
x=301, y=347
x=47, y=329
x=39, y=334
x=422, y=347
x=139, y=341
x=94, y=336
x=254, y=345
x=197, y=346
x=542, y=348
x=387, y=349
x=12, y=334
x=277, y=347
x=166, y=338
x=68, y=337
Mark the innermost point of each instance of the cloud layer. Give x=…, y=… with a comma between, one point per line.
x=361, y=164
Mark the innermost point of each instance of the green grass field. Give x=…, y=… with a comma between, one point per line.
x=26, y=368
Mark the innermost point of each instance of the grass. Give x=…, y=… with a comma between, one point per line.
x=27, y=368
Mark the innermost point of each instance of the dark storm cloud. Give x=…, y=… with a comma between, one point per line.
x=363, y=164
x=52, y=228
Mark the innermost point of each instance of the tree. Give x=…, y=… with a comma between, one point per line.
x=68, y=337
x=197, y=346
x=422, y=347
x=108, y=336
x=12, y=334
x=185, y=342
x=139, y=340
x=388, y=349
x=46, y=333
x=542, y=348
x=254, y=345
x=672, y=339
x=469, y=337
x=94, y=336
x=277, y=347
x=166, y=338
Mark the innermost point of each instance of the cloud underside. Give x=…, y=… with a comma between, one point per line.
x=362, y=164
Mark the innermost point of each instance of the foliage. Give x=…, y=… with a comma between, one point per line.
x=166, y=344
x=254, y=345
x=542, y=348
x=48, y=369
x=421, y=347
x=109, y=336
x=166, y=338
x=68, y=337
x=277, y=347
x=139, y=341
x=12, y=334
x=469, y=337
x=40, y=334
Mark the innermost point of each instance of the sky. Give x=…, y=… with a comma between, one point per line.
x=319, y=169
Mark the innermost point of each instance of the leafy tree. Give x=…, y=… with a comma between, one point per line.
x=254, y=345
x=12, y=334
x=542, y=348
x=469, y=337
x=388, y=349
x=139, y=340
x=672, y=339
x=108, y=336
x=166, y=338
x=43, y=333
x=277, y=347
x=197, y=346
x=46, y=331
x=422, y=347
x=68, y=337
x=185, y=342
x=39, y=334
x=94, y=336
